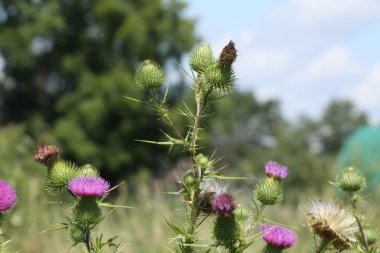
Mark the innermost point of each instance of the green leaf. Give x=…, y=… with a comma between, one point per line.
x=116, y=206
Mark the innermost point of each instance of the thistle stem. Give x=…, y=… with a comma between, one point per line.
x=253, y=221
x=87, y=240
x=195, y=199
x=353, y=204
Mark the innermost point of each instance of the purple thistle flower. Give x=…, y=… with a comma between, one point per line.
x=278, y=236
x=276, y=170
x=88, y=186
x=7, y=196
x=223, y=204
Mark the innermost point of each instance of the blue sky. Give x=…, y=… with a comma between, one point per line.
x=302, y=52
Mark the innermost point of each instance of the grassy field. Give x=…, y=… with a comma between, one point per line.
x=142, y=228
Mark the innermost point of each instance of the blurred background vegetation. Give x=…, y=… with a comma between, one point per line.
x=67, y=66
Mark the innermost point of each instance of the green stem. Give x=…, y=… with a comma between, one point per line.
x=195, y=198
x=254, y=220
x=1, y=233
x=87, y=240
x=353, y=204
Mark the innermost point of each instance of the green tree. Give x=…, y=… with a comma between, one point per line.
x=340, y=118
x=242, y=125
x=69, y=63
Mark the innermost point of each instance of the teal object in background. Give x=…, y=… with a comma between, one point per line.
x=362, y=150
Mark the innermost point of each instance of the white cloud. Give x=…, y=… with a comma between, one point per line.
x=312, y=14
x=258, y=64
x=333, y=66
x=367, y=92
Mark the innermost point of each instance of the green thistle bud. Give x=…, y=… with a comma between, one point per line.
x=219, y=78
x=201, y=58
x=88, y=171
x=59, y=175
x=268, y=191
x=351, y=180
x=189, y=179
x=370, y=233
x=227, y=232
x=241, y=213
x=203, y=161
x=87, y=212
x=77, y=234
x=150, y=75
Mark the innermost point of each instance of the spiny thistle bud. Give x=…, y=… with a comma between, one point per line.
x=86, y=212
x=227, y=232
x=370, y=233
x=77, y=233
x=47, y=154
x=189, y=179
x=241, y=213
x=277, y=238
x=351, y=180
x=201, y=58
x=276, y=170
x=59, y=175
x=88, y=171
x=223, y=204
x=203, y=161
x=150, y=75
x=332, y=223
x=268, y=191
x=219, y=78
x=7, y=196
x=228, y=54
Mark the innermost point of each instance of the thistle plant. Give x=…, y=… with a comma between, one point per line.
x=7, y=201
x=203, y=191
x=343, y=226
x=87, y=191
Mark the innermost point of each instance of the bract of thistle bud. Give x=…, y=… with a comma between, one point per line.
x=150, y=75
x=86, y=212
x=203, y=161
x=350, y=180
x=59, y=175
x=7, y=196
x=228, y=54
x=201, y=58
x=88, y=170
x=46, y=154
x=241, y=213
x=268, y=191
x=219, y=78
x=77, y=233
x=371, y=234
x=227, y=232
x=189, y=179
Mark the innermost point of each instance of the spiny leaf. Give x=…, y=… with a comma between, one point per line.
x=134, y=99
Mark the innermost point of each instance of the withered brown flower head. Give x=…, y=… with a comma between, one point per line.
x=46, y=154
x=331, y=222
x=228, y=55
